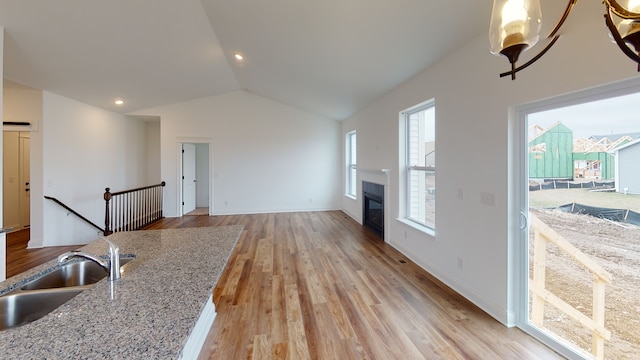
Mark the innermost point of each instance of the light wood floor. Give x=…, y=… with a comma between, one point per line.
x=319, y=286
x=20, y=259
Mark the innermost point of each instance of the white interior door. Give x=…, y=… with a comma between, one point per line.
x=11, y=180
x=25, y=175
x=16, y=173
x=188, y=178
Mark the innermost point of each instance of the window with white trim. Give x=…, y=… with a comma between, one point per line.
x=352, y=168
x=421, y=164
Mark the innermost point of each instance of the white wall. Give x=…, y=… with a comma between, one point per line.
x=473, y=148
x=154, y=175
x=22, y=104
x=84, y=149
x=266, y=156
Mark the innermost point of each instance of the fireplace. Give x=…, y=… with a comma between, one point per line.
x=373, y=207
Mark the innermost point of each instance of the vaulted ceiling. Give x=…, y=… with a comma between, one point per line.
x=329, y=57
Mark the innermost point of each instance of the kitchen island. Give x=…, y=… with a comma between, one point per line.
x=155, y=312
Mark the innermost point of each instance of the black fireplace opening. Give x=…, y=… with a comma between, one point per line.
x=373, y=207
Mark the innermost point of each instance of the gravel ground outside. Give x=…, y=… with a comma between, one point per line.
x=615, y=247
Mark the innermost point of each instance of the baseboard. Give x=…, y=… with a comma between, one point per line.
x=489, y=307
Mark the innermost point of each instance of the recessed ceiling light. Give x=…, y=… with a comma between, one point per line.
x=119, y=102
x=238, y=56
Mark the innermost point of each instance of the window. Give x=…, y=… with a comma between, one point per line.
x=420, y=164
x=351, y=164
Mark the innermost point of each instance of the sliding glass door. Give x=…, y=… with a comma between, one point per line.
x=578, y=243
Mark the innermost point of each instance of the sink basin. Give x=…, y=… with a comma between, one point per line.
x=24, y=307
x=78, y=273
x=46, y=293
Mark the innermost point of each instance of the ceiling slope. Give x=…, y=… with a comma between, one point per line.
x=330, y=57
x=334, y=57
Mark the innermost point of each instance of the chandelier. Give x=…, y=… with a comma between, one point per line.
x=515, y=27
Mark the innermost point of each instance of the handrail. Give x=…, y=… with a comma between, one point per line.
x=132, y=209
x=74, y=212
x=136, y=189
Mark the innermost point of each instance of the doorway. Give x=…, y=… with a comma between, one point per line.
x=577, y=276
x=16, y=179
x=188, y=178
x=195, y=179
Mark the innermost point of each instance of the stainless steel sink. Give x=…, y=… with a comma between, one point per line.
x=20, y=308
x=79, y=273
x=46, y=293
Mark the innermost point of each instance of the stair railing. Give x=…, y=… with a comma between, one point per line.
x=132, y=209
x=74, y=213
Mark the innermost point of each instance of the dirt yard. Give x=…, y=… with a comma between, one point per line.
x=615, y=247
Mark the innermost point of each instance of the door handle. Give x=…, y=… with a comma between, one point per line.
x=523, y=221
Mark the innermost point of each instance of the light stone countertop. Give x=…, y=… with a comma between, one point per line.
x=153, y=310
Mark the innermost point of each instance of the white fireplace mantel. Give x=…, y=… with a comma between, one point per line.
x=378, y=176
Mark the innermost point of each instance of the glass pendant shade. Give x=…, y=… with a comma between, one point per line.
x=627, y=28
x=515, y=26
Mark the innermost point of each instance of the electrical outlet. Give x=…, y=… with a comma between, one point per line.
x=460, y=193
x=460, y=263
x=488, y=198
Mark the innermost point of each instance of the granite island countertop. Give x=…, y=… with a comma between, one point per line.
x=150, y=314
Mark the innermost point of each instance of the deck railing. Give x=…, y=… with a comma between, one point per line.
x=132, y=209
x=540, y=295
